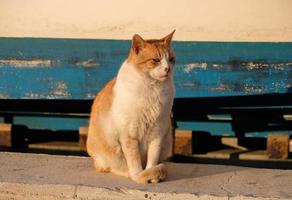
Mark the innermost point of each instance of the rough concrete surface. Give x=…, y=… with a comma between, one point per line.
x=38, y=176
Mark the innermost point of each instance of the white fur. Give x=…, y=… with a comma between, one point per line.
x=141, y=108
x=140, y=101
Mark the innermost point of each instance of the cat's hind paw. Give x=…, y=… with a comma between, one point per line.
x=155, y=174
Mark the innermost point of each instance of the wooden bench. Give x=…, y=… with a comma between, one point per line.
x=254, y=113
x=18, y=136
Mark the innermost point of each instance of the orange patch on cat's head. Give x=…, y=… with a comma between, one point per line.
x=146, y=55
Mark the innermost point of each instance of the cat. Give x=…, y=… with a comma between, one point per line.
x=130, y=130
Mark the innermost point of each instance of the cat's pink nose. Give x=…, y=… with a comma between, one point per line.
x=167, y=69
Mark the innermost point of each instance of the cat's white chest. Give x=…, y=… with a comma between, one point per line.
x=139, y=104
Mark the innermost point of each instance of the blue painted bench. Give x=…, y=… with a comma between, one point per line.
x=247, y=85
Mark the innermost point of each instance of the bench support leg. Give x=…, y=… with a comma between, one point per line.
x=278, y=146
x=5, y=135
x=83, y=131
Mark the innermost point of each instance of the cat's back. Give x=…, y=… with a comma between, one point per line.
x=103, y=101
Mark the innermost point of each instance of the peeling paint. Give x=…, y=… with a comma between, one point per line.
x=4, y=96
x=87, y=63
x=60, y=90
x=282, y=65
x=235, y=87
x=27, y=63
x=190, y=67
x=251, y=65
x=222, y=88
x=31, y=95
x=194, y=85
x=258, y=65
x=203, y=68
x=217, y=65
x=248, y=88
x=90, y=96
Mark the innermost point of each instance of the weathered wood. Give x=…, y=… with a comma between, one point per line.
x=41, y=107
x=183, y=142
x=220, y=154
x=233, y=142
x=278, y=146
x=5, y=135
x=56, y=145
x=261, y=155
x=203, y=68
x=247, y=113
x=254, y=155
x=287, y=117
x=224, y=63
x=83, y=131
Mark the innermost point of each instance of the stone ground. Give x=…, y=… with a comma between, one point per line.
x=40, y=176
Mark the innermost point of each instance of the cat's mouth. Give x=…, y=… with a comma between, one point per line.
x=163, y=77
x=160, y=76
x=167, y=74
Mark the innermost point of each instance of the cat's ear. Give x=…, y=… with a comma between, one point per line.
x=137, y=43
x=167, y=39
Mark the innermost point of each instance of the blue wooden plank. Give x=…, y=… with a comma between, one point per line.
x=78, y=69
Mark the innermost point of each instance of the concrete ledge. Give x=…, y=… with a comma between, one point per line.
x=36, y=176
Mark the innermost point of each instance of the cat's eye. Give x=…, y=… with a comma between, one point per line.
x=155, y=60
x=172, y=59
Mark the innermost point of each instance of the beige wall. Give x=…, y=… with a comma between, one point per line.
x=197, y=20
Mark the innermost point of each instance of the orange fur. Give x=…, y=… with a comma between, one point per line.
x=101, y=105
x=97, y=142
x=151, y=49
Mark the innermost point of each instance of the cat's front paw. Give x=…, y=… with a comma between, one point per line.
x=155, y=174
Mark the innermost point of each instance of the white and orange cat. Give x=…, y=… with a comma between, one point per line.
x=130, y=131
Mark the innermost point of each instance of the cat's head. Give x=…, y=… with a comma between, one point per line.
x=154, y=58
